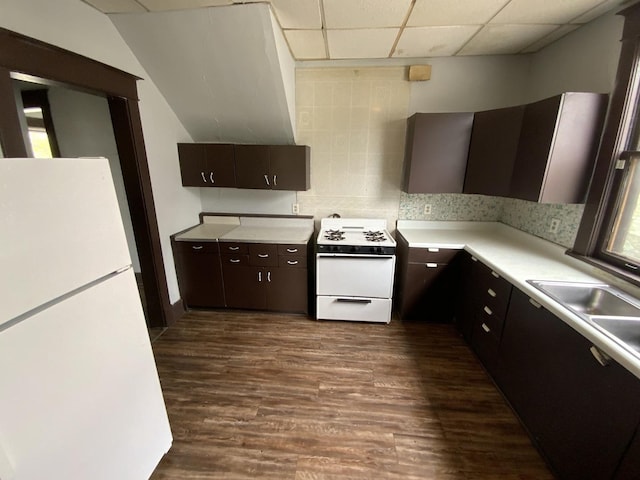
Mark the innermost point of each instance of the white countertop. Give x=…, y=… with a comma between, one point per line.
x=250, y=229
x=518, y=257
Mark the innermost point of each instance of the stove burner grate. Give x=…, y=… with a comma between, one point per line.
x=374, y=236
x=334, y=235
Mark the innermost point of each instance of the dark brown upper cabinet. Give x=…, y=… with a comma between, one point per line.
x=558, y=142
x=436, y=150
x=492, y=151
x=207, y=164
x=273, y=167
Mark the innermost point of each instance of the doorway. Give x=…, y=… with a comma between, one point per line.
x=28, y=60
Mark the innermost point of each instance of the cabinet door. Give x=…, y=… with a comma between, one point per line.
x=492, y=151
x=287, y=289
x=252, y=166
x=200, y=274
x=244, y=287
x=581, y=414
x=428, y=292
x=467, y=303
x=436, y=152
x=192, y=165
x=289, y=167
x=220, y=165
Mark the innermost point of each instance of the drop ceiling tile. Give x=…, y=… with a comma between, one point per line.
x=543, y=11
x=552, y=37
x=117, y=6
x=453, y=12
x=362, y=43
x=505, y=39
x=306, y=44
x=298, y=14
x=347, y=14
x=599, y=10
x=434, y=41
x=159, y=5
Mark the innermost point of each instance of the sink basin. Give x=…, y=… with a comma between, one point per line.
x=589, y=299
x=626, y=329
x=612, y=311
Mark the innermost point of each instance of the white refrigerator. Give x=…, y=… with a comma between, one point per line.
x=80, y=396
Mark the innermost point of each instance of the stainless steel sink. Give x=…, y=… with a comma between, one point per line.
x=612, y=311
x=626, y=329
x=589, y=299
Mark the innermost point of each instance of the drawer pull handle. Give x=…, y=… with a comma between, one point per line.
x=268, y=276
x=204, y=179
x=263, y=255
x=266, y=179
x=292, y=262
x=292, y=250
x=432, y=265
x=491, y=293
x=495, y=274
x=485, y=328
x=534, y=303
x=601, y=357
x=488, y=310
x=234, y=260
x=275, y=180
x=434, y=250
x=234, y=248
x=211, y=177
x=353, y=300
x=259, y=276
x=474, y=258
x=197, y=247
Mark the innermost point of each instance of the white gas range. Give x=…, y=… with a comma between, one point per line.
x=355, y=266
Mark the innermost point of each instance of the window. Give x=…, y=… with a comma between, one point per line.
x=609, y=234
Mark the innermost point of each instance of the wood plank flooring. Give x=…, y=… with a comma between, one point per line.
x=256, y=395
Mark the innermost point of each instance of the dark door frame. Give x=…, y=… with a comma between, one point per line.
x=29, y=59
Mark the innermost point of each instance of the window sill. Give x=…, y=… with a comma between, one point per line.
x=615, y=271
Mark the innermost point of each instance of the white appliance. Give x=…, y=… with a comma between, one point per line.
x=355, y=266
x=81, y=397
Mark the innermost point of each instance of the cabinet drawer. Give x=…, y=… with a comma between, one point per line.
x=486, y=345
x=197, y=247
x=497, y=300
x=263, y=254
x=489, y=279
x=431, y=255
x=489, y=322
x=292, y=261
x=293, y=249
x=234, y=247
x=228, y=259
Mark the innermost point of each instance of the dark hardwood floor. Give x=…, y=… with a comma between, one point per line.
x=256, y=395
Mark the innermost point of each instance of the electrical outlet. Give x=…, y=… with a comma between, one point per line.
x=554, y=225
x=427, y=209
x=295, y=208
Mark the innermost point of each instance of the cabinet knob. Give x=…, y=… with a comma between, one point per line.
x=491, y=293
x=488, y=310
x=485, y=328
x=495, y=274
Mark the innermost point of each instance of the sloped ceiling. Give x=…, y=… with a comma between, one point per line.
x=219, y=69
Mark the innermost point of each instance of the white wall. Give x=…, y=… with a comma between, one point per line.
x=83, y=129
x=585, y=60
x=75, y=26
x=471, y=84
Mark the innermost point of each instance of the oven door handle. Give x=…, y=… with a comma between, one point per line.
x=353, y=255
x=353, y=300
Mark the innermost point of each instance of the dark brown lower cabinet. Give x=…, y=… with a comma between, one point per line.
x=580, y=413
x=199, y=274
x=244, y=286
x=287, y=290
x=629, y=468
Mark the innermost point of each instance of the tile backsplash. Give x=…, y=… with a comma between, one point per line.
x=531, y=217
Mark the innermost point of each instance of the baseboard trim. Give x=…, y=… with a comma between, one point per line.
x=177, y=311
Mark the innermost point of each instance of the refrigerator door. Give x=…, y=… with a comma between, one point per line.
x=60, y=228
x=80, y=392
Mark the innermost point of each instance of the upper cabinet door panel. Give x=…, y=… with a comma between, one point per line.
x=220, y=164
x=192, y=164
x=436, y=152
x=492, y=151
x=557, y=148
x=252, y=166
x=289, y=167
